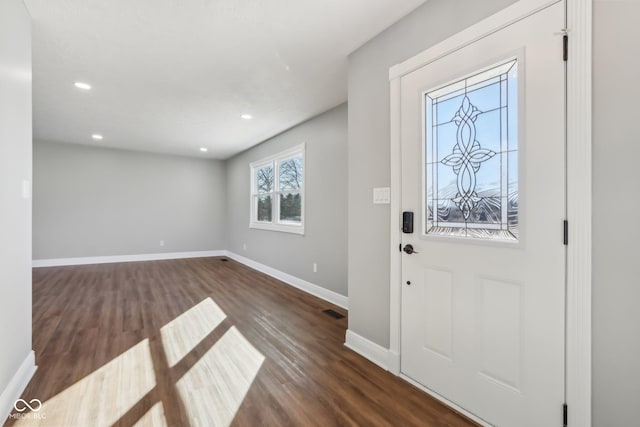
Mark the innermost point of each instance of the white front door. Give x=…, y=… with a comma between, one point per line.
x=483, y=171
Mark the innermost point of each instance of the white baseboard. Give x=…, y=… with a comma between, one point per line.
x=320, y=292
x=56, y=262
x=315, y=290
x=394, y=362
x=370, y=350
x=16, y=385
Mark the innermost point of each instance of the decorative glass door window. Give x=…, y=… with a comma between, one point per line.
x=471, y=156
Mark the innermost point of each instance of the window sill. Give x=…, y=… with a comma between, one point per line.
x=284, y=228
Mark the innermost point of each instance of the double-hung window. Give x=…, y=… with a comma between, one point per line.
x=277, y=192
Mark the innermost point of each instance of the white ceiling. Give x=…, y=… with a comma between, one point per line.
x=172, y=76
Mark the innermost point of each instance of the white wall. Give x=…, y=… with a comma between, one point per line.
x=325, y=238
x=616, y=206
x=369, y=149
x=15, y=210
x=91, y=201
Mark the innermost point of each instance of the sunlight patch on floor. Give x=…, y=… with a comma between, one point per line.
x=184, y=333
x=211, y=391
x=214, y=388
x=104, y=396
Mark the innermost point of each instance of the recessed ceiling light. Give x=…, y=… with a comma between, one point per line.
x=204, y=150
x=83, y=86
x=97, y=136
x=247, y=116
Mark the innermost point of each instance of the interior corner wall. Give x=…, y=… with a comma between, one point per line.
x=94, y=202
x=15, y=205
x=324, y=241
x=616, y=150
x=369, y=149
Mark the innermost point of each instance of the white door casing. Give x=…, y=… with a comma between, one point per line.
x=483, y=322
x=579, y=183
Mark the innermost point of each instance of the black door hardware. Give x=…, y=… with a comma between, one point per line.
x=408, y=249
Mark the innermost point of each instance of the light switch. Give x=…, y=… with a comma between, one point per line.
x=382, y=196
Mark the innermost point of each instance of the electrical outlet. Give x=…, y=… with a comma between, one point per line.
x=161, y=242
x=26, y=189
x=244, y=246
x=315, y=267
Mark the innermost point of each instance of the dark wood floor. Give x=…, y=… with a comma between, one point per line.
x=86, y=316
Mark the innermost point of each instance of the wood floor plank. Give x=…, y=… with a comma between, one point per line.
x=203, y=342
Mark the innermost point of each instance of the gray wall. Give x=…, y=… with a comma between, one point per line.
x=368, y=236
x=90, y=201
x=15, y=210
x=616, y=204
x=324, y=241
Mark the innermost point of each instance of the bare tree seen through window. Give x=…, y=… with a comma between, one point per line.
x=290, y=183
x=265, y=186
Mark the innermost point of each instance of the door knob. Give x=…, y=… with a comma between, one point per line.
x=408, y=249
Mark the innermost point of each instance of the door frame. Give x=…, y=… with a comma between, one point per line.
x=579, y=176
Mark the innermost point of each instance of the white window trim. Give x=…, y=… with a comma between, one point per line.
x=275, y=224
